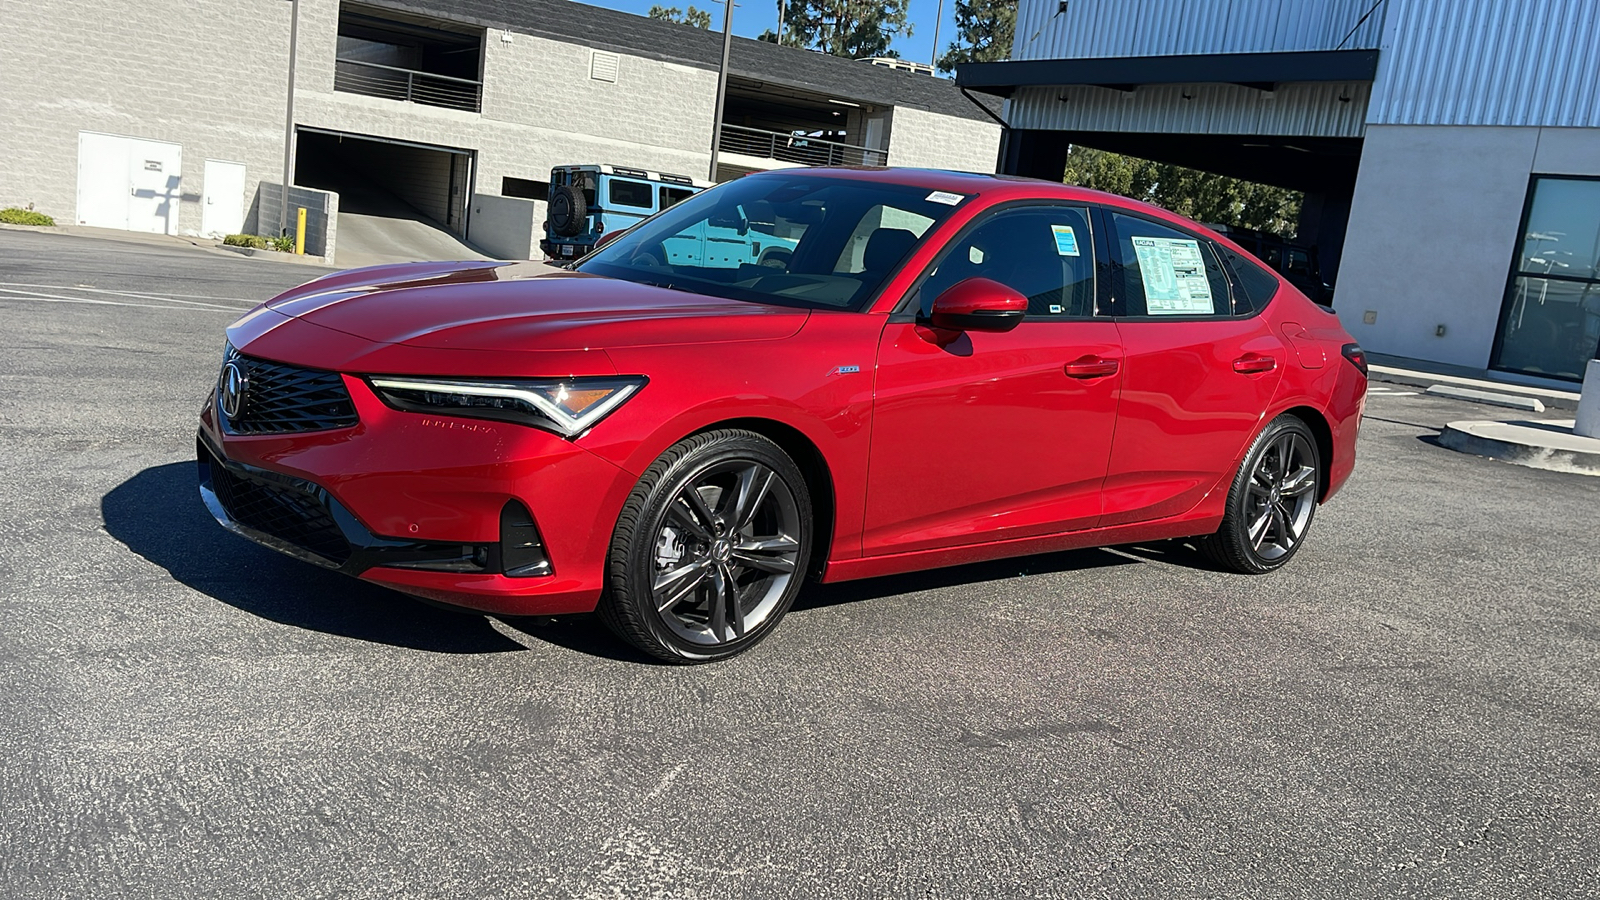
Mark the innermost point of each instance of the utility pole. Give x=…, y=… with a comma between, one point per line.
x=937, y=17
x=722, y=87
x=780, y=21
x=288, y=120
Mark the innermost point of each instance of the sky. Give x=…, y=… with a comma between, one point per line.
x=751, y=17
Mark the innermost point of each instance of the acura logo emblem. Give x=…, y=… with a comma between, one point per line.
x=232, y=388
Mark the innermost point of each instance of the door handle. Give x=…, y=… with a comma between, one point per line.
x=1091, y=367
x=1254, y=364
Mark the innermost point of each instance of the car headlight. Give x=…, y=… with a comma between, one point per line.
x=567, y=406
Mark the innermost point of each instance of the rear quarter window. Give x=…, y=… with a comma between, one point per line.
x=1253, y=286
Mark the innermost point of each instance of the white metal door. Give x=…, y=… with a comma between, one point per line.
x=155, y=180
x=223, y=213
x=102, y=180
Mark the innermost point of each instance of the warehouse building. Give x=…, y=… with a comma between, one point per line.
x=1449, y=149
x=169, y=116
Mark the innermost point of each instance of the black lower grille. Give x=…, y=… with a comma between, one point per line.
x=298, y=515
x=277, y=398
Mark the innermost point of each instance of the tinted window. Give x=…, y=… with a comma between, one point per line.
x=631, y=193
x=1042, y=252
x=774, y=238
x=1299, y=263
x=1253, y=286
x=671, y=196
x=1167, y=272
x=525, y=188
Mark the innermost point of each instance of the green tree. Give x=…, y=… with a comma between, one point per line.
x=1201, y=196
x=699, y=18
x=984, y=29
x=855, y=29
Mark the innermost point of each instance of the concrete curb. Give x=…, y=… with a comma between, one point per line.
x=276, y=255
x=1549, y=445
x=1412, y=378
x=1487, y=398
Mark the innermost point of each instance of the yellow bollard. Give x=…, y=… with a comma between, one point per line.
x=300, y=232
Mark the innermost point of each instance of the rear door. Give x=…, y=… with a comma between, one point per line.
x=1198, y=373
x=978, y=436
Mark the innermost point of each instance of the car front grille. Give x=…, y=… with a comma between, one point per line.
x=287, y=509
x=281, y=399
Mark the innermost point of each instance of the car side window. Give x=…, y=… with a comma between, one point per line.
x=1045, y=253
x=1167, y=272
x=630, y=193
x=1253, y=285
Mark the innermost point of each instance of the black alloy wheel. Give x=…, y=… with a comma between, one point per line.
x=1271, y=502
x=710, y=550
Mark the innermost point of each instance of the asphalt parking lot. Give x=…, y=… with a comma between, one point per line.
x=1410, y=709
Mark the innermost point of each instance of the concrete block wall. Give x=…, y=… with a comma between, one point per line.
x=931, y=140
x=212, y=80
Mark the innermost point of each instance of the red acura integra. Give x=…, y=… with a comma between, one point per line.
x=926, y=369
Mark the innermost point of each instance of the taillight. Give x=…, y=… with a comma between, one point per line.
x=1356, y=355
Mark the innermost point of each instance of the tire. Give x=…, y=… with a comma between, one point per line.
x=1270, y=504
x=718, y=509
x=567, y=210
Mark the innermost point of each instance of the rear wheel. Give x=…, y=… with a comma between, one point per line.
x=710, y=549
x=1271, y=502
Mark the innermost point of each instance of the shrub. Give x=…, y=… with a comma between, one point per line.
x=252, y=241
x=284, y=244
x=11, y=215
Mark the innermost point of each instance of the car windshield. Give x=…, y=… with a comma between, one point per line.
x=787, y=239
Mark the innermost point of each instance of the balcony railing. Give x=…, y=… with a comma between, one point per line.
x=373, y=80
x=798, y=148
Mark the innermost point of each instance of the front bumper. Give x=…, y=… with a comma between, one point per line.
x=423, y=504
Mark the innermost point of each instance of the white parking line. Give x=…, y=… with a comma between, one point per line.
x=1389, y=392
x=56, y=298
x=138, y=295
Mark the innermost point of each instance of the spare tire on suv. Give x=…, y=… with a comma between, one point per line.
x=567, y=210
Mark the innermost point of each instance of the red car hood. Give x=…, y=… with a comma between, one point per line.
x=523, y=306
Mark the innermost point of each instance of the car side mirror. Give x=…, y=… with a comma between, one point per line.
x=978, y=304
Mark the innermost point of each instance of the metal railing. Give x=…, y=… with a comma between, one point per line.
x=798, y=148
x=373, y=80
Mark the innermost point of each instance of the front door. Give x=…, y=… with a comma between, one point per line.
x=978, y=436
x=223, y=213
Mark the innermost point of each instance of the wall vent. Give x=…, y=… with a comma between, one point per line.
x=603, y=66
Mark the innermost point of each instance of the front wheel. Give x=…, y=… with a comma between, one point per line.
x=710, y=549
x=1271, y=502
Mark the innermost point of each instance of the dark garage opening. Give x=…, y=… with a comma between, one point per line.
x=392, y=179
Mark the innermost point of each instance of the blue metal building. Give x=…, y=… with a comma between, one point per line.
x=1449, y=149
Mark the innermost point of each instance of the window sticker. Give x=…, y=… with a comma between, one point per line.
x=1174, y=276
x=975, y=256
x=945, y=197
x=1066, y=240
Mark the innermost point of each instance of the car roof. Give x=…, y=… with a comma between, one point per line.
x=992, y=187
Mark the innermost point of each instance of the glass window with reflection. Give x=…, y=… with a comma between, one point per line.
x=1044, y=253
x=1550, y=320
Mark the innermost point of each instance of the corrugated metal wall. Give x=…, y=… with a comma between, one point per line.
x=1097, y=28
x=1489, y=62
x=1323, y=110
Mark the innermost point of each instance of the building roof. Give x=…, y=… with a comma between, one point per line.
x=622, y=32
x=1258, y=70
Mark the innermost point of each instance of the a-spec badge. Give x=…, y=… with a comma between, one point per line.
x=232, y=389
x=845, y=370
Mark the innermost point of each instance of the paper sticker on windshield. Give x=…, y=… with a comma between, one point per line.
x=1174, y=276
x=1066, y=240
x=945, y=197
